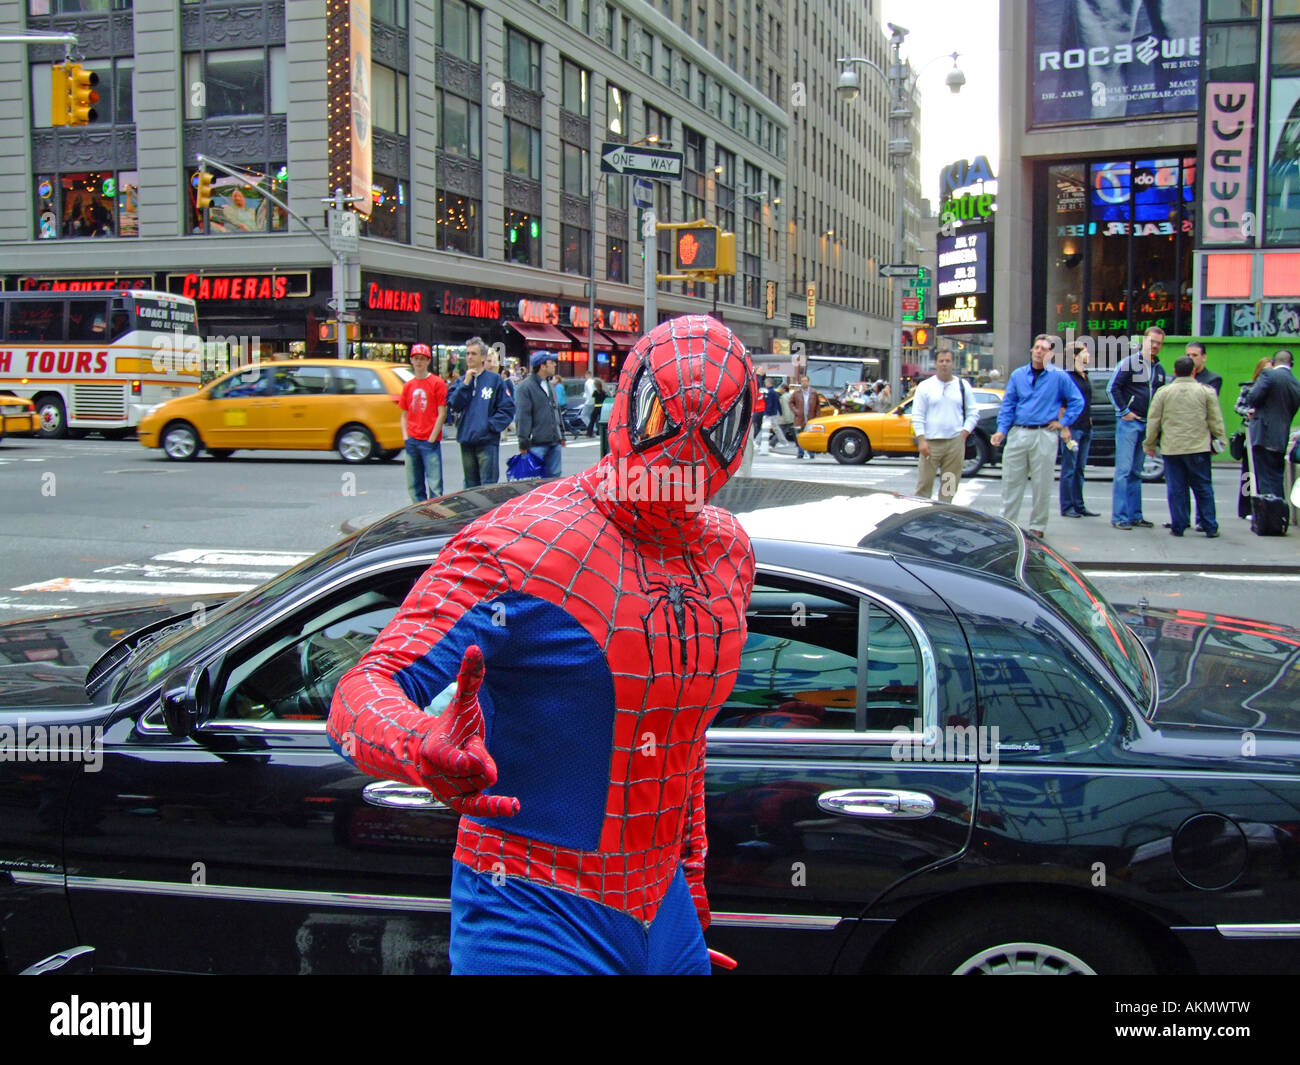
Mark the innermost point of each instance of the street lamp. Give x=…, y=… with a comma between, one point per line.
x=901, y=81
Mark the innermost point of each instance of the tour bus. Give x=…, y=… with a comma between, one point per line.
x=97, y=360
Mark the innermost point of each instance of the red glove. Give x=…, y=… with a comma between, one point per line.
x=454, y=763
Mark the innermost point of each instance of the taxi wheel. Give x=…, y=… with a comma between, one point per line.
x=53, y=416
x=355, y=443
x=977, y=455
x=180, y=442
x=850, y=447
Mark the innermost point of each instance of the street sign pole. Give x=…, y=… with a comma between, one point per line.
x=651, y=269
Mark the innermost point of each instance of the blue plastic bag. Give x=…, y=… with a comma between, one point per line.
x=524, y=465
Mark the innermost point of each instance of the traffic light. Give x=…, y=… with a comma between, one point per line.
x=82, y=96
x=921, y=336
x=202, y=190
x=58, y=95
x=696, y=249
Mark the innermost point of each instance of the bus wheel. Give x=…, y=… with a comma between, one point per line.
x=54, y=417
x=180, y=442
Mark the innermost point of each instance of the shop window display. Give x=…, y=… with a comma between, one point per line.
x=523, y=238
x=238, y=206
x=390, y=210
x=459, y=224
x=88, y=204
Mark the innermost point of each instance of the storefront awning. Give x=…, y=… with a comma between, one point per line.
x=536, y=334
x=603, y=342
x=623, y=341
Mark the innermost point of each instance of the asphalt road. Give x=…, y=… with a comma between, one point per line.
x=91, y=521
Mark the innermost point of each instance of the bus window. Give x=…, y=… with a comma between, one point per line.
x=121, y=321
x=35, y=320
x=87, y=320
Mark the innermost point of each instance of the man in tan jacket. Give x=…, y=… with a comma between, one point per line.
x=1184, y=421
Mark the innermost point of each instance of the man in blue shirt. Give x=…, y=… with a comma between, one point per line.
x=1131, y=387
x=1028, y=422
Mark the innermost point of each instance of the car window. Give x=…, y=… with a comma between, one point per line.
x=800, y=668
x=358, y=380
x=303, y=380
x=290, y=672
x=253, y=382
x=987, y=397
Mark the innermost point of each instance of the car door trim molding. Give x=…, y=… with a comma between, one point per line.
x=235, y=893
x=1057, y=769
x=802, y=921
x=1259, y=931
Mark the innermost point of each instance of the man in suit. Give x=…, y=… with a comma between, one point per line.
x=805, y=402
x=1275, y=400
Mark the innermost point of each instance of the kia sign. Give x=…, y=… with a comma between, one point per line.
x=1098, y=60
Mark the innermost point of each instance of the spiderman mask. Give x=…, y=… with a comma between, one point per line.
x=680, y=421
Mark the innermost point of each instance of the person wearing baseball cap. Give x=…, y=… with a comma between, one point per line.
x=424, y=409
x=537, y=414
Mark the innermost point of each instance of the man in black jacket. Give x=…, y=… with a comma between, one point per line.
x=1275, y=399
x=1075, y=455
x=483, y=401
x=1202, y=374
x=1134, y=382
x=537, y=414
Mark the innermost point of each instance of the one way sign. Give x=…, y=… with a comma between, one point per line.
x=641, y=161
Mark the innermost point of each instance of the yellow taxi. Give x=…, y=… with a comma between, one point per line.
x=18, y=416
x=854, y=437
x=291, y=405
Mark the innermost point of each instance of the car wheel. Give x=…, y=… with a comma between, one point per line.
x=355, y=443
x=1153, y=469
x=221, y=453
x=1027, y=940
x=180, y=442
x=977, y=455
x=850, y=447
x=54, y=417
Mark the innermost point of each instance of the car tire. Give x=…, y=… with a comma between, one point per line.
x=355, y=443
x=850, y=447
x=221, y=453
x=54, y=417
x=180, y=442
x=977, y=455
x=1026, y=939
x=1153, y=469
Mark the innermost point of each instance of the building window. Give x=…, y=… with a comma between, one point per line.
x=523, y=238
x=575, y=84
x=240, y=207
x=100, y=203
x=575, y=250
x=611, y=18
x=657, y=124
x=575, y=169
x=523, y=150
x=460, y=30
x=459, y=226
x=523, y=60
x=391, y=11
x=240, y=81
x=615, y=116
x=459, y=125
x=646, y=57
x=388, y=99
x=115, y=106
x=580, y=14
x=616, y=194
x=666, y=68
x=390, y=210
x=616, y=259
x=76, y=7
x=1282, y=198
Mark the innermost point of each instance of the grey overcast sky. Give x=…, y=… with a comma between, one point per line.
x=965, y=125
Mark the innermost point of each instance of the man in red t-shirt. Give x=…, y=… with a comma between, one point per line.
x=424, y=409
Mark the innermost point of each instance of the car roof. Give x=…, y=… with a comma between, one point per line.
x=792, y=511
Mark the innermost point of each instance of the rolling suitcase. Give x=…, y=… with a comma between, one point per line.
x=1269, y=514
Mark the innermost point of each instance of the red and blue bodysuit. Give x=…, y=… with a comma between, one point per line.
x=586, y=633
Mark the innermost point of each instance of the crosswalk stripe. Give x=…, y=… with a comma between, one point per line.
x=217, y=557
x=97, y=586
x=164, y=572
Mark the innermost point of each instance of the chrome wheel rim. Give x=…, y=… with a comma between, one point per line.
x=850, y=446
x=180, y=444
x=354, y=446
x=51, y=418
x=1024, y=959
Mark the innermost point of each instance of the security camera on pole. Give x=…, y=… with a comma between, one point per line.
x=901, y=80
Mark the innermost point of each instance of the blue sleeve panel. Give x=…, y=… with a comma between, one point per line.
x=548, y=711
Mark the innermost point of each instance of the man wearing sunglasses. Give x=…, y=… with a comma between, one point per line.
x=591, y=628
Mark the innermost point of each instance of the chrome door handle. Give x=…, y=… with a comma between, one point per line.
x=400, y=796
x=867, y=803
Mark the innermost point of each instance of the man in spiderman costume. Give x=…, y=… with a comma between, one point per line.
x=586, y=633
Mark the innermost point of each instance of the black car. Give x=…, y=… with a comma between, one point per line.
x=945, y=753
x=1101, y=451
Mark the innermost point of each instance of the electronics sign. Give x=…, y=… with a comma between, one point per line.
x=964, y=300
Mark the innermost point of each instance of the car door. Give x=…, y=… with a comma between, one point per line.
x=896, y=429
x=252, y=846
x=304, y=408
x=820, y=796
x=237, y=414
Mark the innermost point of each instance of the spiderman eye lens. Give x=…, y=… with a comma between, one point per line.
x=727, y=435
x=650, y=420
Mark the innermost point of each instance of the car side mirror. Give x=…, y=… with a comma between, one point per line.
x=186, y=700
